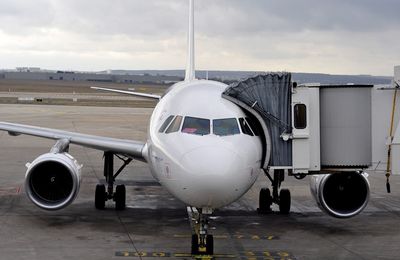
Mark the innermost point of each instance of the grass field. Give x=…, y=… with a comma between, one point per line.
x=77, y=87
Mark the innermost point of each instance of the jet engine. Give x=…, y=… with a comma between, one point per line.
x=52, y=180
x=341, y=195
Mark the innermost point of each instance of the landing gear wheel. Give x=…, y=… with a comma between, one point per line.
x=100, y=196
x=209, y=245
x=265, y=200
x=284, y=201
x=195, y=244
x=120, y=197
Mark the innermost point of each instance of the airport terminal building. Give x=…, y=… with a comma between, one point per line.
x=37, y=74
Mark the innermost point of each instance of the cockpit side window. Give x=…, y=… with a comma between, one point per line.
x=165, y=124
x=245, y=127
x=175, y=125
x=196, y=126
x=224, y=127
x=254, y=125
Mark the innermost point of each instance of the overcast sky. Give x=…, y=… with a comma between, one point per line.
x=338, y=36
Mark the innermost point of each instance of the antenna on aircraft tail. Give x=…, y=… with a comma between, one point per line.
x=190, y=70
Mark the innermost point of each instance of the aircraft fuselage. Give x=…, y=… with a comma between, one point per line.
x=197, y=148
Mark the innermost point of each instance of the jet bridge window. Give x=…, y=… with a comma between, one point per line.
x=175, y=125
x=196, y=126
x=300, y=116
x=165, y=124
x=224, y=127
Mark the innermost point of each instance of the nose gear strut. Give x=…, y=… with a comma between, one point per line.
x=202, y=242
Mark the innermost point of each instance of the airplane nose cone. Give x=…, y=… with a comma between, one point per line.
x=211, y=162
x=220, y=175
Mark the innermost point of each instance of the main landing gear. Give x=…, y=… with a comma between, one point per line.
x=102, y=195
x=202, y=242
x=279, y=196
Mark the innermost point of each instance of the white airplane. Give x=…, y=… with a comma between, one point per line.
x=202, y=148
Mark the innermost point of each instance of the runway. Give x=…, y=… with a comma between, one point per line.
x=155, y=225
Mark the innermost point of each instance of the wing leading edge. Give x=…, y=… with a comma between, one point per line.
x=132, y=93
x=120, y=146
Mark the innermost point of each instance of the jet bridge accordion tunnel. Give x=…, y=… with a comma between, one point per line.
x=267, y=97
x=308, y=129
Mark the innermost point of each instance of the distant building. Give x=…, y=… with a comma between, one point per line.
x=29, y=74
x=28, y=69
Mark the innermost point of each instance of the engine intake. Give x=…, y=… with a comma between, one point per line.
x=341, y=195
x=52, y=180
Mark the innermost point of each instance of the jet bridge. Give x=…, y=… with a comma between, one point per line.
x=267, y=97
x=308, y=128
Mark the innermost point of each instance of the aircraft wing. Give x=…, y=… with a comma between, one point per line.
x=128, y=148
x=132, y=93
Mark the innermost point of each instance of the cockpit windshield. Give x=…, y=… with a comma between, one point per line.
x=196, y=126
x=165, y=124
x=224, y=127
x=202, y=126
x=175, y=125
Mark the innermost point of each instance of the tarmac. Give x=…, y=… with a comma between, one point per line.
x=155, y=225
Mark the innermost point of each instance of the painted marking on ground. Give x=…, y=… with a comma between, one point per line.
x=244, y=237
x=270, y=255
x=247, y=255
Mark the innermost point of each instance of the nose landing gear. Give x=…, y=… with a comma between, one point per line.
x=281, y=198
x=202, y=242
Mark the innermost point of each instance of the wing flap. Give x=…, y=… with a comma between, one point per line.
x=121, y=146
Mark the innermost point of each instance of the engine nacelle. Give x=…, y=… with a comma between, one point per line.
x=341, y=195
x=52, y=180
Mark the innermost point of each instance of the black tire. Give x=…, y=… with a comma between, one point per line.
x=209, y=245
x=100, y=196
x=120, y=197
x=195, y=244
x=265, y=200
x=284, y=201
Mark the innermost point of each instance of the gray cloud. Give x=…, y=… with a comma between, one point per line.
x=160, y=17
x=358, y=36
x=135, y=17
x=20, y=17
x=260, y=16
